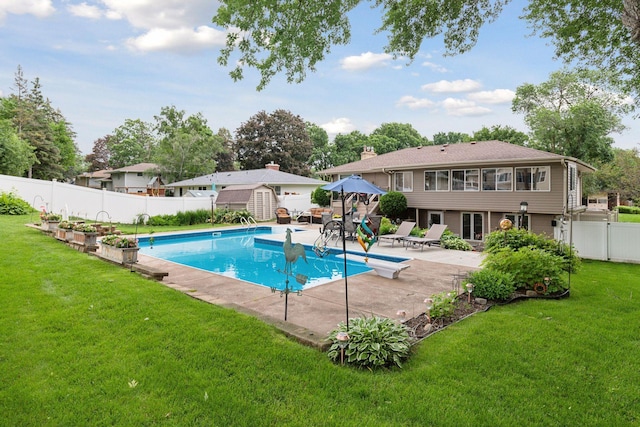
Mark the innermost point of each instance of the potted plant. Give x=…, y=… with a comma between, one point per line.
x=64, y=231
x=85, y=235
x=120, y=249
x=50, y=220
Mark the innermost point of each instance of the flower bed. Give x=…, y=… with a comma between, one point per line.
x=120, y=249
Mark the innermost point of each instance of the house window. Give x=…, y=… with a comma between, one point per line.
x=472, y=225
x=139, y=174
x=278, y=190
x=436, y=180
x=435, y=217
x=403, y=181
x=535, y=178
x=465, y=180
x=498, y=179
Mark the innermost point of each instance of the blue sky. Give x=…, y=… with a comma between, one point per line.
x=103, y=61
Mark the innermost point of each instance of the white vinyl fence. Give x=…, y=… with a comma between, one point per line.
x=602, y=240
x=102, y=205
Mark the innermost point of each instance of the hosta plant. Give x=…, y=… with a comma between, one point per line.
x=374, y=342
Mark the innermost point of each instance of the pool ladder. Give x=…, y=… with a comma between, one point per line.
x=249, y=222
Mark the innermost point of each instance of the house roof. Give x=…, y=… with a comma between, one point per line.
x=140, y=167
x=237, y=193
x=472, y=153
x=261, y=176
x=105, y=173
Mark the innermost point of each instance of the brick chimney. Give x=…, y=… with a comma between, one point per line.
x=367, y=153
x=272, y=166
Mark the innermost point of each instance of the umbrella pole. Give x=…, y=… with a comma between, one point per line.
x=344, y=253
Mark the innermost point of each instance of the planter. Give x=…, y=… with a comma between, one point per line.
x=85, y=239
x=119, y=255
x=64, y=234
x=50, y=225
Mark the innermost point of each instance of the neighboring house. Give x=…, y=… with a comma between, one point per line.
x=258, y=199
x=138, y=179
x=98, y=179
x=472, y=186
x=283, y=183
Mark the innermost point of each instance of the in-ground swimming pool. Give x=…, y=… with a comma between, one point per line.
x=242, y=254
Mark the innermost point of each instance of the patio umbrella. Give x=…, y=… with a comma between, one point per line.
x=350, y=184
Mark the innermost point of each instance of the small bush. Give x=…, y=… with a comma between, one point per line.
x=491, y=284
x=321, y=197
x=11, y=204
x=386, y=227
x=454, y=242
x=393, y=204
x=374, y=342
x=629, y=209
x=443, y=305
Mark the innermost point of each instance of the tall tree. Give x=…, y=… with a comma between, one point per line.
x=501, y=133
x=570, y=115
x=349, y=147
x=442, y=138
x=99, y=158
x=293, y=36
x=321, y=157
x=395, y=136
x=225, y=159
x=187, y=146
x=279, y=137
x=131, y=143
x=621, y=175
x=16, y=155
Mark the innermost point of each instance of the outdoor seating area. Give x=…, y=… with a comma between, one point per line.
x=432, y=237
x=283, y=216
x=314, y=215
x=404, y=230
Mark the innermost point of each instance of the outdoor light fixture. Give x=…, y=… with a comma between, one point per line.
x=469, y=287
x=343, y=340
x=524, y=207
x=429, y=304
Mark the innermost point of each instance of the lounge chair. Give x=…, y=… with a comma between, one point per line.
x=433, y=236
x=403, y=231
x=282, y=216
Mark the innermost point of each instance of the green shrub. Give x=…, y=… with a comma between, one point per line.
x=528, y=266
x=629, y=209
x=393, y=204
x=11, y=204
x=449, y=240
x=321, y=197
x=443, y=305
x=374, y=342
x=491, y=284
x=386, y=227
x=520, y=238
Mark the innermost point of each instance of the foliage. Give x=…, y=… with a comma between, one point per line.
x=85, y=228
x=395, y=136
x=119, y=241
x=572, y=114
x=442, y=138
x=200, y=216
x=321, y=197
x=374, y=342
x=348, y=148
x=131, y=143
x=491, y=284
x=321, y=156
x=621, y=175
x=187, y=147
x=393, y=204
x=501, y=133
x=99, y=158
x=520, y=238
x=16, y=155
x=443, y=305
x=629, y=210
x=529, y=265
x=226, y=157
x=12, y=204
x=386, y=226
x=279, y=137
x=449, y=240
x=66, y=225
x=50, y=216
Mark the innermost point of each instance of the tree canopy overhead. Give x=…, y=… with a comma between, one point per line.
x=293, y=36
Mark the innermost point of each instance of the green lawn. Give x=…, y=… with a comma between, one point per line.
x=84, y=342
x=628, y=217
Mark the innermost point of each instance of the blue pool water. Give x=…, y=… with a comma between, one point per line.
x=242, y=255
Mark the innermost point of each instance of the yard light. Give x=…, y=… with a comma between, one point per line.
x=524, y=207
x=469, y=287
x=429, y=303
x=343, y=340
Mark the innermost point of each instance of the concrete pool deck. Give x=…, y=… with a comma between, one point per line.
x=318, y=310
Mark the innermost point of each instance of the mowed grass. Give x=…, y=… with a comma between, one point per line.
x=624, y=217
x=84, y=342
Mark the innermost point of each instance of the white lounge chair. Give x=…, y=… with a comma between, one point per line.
x=403, y=231
x=433, y=237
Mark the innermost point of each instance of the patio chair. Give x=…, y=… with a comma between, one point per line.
x=350, y=227
x=433, y=236
x=403, y=231
x=330, y=228
x=282, y=216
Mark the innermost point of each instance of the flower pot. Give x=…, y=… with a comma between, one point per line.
x=50, y=225
x=85, y=239
x=66, y=235
x=119, y=255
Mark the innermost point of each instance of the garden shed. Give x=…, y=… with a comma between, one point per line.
x=259, y=199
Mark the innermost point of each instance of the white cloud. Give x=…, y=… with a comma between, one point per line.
x=85, y=10
x=498, y=96
x=434, y=67
x=165, y=14
x=39, y=8
x=365, y=61
x=414, y=103
x=341, y=125
x=177, y=40
x=463, y=107
x=455, y=86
